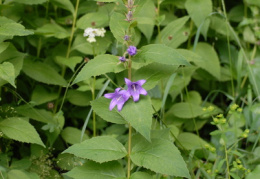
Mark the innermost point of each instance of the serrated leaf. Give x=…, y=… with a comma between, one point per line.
x=17, y=129
x=210, y=58
x=100, y=19
x=14, y=29
x=101, y=64
x=7, y=72
x=118, y=26
x=72, y=135
x=186, y=110
x=64, y=4
x=43, y=73
x=108, y=170
x=198, y=11
x=160, y=156
x=139, y=115
x=160, y=53
x=174, y=34
x=99, y=149
x=191, y=141
x=69, y=62
x=153, y=73
x=101, y=107
x=30, y=2
x=52, y=30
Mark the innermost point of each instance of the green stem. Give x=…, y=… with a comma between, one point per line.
x=94, y=114
x=226, y=155
x=68, y=52
x=189, y=41
x=158, y=25
x=39, y=47
x=229, y=52
x=130, y=127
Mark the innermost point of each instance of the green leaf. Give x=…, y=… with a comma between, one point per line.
x=139, y=115
x=175, y=33
x=24, y=163
x=107, y=0
x=72, y=135
x=7, y=73
x=17, y=129
x=161, y=54
x=4, y=46
x=118, y=26
x=253, y=2
x=30, y=2
x=101, y=107
x=43, y=73
x=160, y=156
x=140, y=175
x=198, y=11
x=101, y=64
x=14, y=174
x=69, y=62
x=191, y=141
x=153, y=73
x=145, y=19
x=79, y=98
x=41, y=95
x=13, y=29
x=100, y=19
x=193, y=97
x=255, y=173
x=64, y=4
x=52, y=30
x=100, y=149
x=108, y=170
x=101, y=45
x=210, y=58
x=186, y=110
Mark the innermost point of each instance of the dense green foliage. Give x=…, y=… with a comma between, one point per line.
x=201, y=64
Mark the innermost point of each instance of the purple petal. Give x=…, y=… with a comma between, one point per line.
x=109, y=95
x=140, y=82
x=135, y=96
x=120, y=105
x=117, y=90
x=112, y=104
x=128, y=82
x=142, y=91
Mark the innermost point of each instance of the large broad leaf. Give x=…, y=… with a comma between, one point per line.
x=118, y=26
x=69, y=62
x=64, y=4
x=41, y=95
x=7, y=72
x=30, y=2
x=186, y=110
x=139, y=115
x=43, y=73
x=108, y=170
x=210, y=59
x=199, y=10
x=145, y=19
x=72, y=135
x=100, y=149
x=79, y=98
x=52, y=30
x=160, y=156
x=153, y=73
x=100, y=19
x=20, y=130
x=191, y=141
x=11, y=28
x=101, y=64
x=175, y=33
x=160, y=54
x=101, y=107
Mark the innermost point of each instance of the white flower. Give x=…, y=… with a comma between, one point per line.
x=91, y=39
x=101, y=32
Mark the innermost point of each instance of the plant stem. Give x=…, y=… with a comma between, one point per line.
x=158, y=25
x=226, y=155
x=39, y=47
x=130, y=127
x=94, y=114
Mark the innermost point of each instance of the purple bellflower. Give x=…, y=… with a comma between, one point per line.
x=118, y=98
x=135, y=88
x=122, y=59
x=126, y=37
x=132, y=50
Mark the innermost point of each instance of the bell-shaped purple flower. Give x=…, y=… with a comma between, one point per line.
x=135, y=88
x=122, y=59
x=132, y=50
x=118, y=98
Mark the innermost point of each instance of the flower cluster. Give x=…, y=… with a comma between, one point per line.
x=91, y=33
x=131, y=50
x=119, y=98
